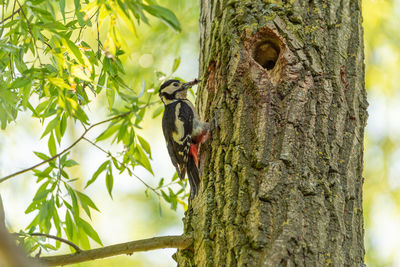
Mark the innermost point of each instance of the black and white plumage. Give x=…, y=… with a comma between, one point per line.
x=183, y=130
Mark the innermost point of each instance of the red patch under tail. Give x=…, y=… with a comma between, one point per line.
x=194, y=150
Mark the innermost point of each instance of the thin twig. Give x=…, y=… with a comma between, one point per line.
x=180, y=242
x=31, y=33
x=65, y=150
x=77, y=249
x=122, y=164
x=11, y=16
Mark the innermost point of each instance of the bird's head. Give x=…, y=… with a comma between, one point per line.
x=172, y=90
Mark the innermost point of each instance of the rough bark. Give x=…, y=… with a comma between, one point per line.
x=282, y=175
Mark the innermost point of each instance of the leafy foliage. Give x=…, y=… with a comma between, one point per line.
x=49, y=67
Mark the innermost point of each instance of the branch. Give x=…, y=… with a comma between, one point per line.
x=12, y=15
x=180, y=242
x=65, y=150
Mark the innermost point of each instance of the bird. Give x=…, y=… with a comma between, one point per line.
x=183, y=130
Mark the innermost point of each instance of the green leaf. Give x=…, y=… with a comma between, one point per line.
x=125, y=16
x=43, y=14
x=39, y=108
x=109, y=180
x=139, y=117
x=49, y=246
x=19, y=82
x=81, y=115
x=108, y=132
x=64, y=158
x=42, y=192
x=63, y=124
x=58, y=134
x=173, y=198
x=50, y=126
x=56, y=219
x=89, y=231
x=33, y=206
x=145, y=145
x=70, y=163
x=86, y=199
x=165, y=196
x=101, y=82
x=167, y=16
x=161, y=183
x=44, y=216
x=174, y=177
x=158, y=111
x=77, y=4
x=83, y=238
x=52, y=145
x=141, y=157
x=85, y=207
x=75, y=207
x=116, y=164
x=70, y=225
x=64, y=174
x=43, y=174
x=41, y=155
x=33, y=224
x=102, y=167
x=177, y=62
x=62, y=8
x=78, y=72
x=110, y=93
x=75, y=50
x=122, y=131
x=58, y=82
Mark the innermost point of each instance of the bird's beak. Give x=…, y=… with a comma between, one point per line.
x=190, y=84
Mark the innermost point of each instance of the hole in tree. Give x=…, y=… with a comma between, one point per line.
x=266, y=53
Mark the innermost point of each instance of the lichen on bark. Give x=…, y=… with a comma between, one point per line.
x=282, y=174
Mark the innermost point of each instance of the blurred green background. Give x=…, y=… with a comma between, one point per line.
x=382, y=150
x=132, y=215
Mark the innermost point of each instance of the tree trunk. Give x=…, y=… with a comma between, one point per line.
x=282, y=174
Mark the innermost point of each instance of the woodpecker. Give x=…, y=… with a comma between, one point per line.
x=183, y=130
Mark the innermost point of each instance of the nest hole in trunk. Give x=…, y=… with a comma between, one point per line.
x=266, y=52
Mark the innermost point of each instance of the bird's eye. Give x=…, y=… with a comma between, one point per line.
x=175, y=84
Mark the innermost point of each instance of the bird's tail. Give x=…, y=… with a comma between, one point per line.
x=193, y=175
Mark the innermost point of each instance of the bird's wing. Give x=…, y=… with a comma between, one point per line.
x=178, y=137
